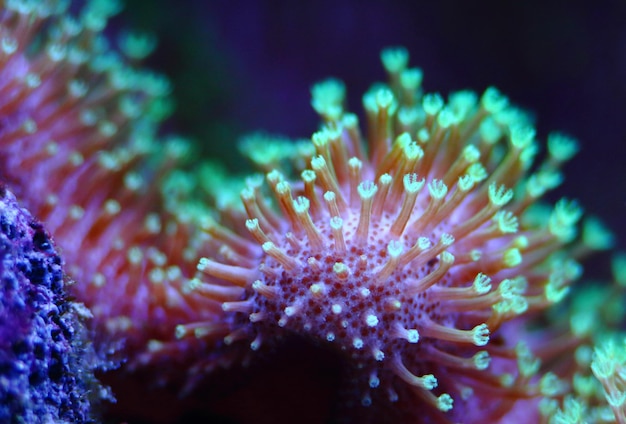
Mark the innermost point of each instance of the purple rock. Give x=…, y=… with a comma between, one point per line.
x=46, y=361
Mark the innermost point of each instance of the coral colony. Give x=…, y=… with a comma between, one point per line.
x=413, y=251
x=418, y=250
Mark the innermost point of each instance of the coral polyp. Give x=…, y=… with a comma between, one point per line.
x=411, y=252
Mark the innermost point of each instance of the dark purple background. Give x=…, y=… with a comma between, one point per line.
x=244, y=65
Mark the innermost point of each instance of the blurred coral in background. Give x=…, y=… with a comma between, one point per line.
x=404, y=269
x=80, y=148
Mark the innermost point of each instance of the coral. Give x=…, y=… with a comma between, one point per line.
x=608, y=362
x=415, y=252
x=80, y=147
x=418, y=254
x=46, y=363
x=593, y=366
x=608, y=366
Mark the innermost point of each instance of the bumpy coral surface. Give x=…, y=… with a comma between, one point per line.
x=413, y=252
x=45, y=361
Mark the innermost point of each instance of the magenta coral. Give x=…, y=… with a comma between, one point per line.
x=412, y=252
